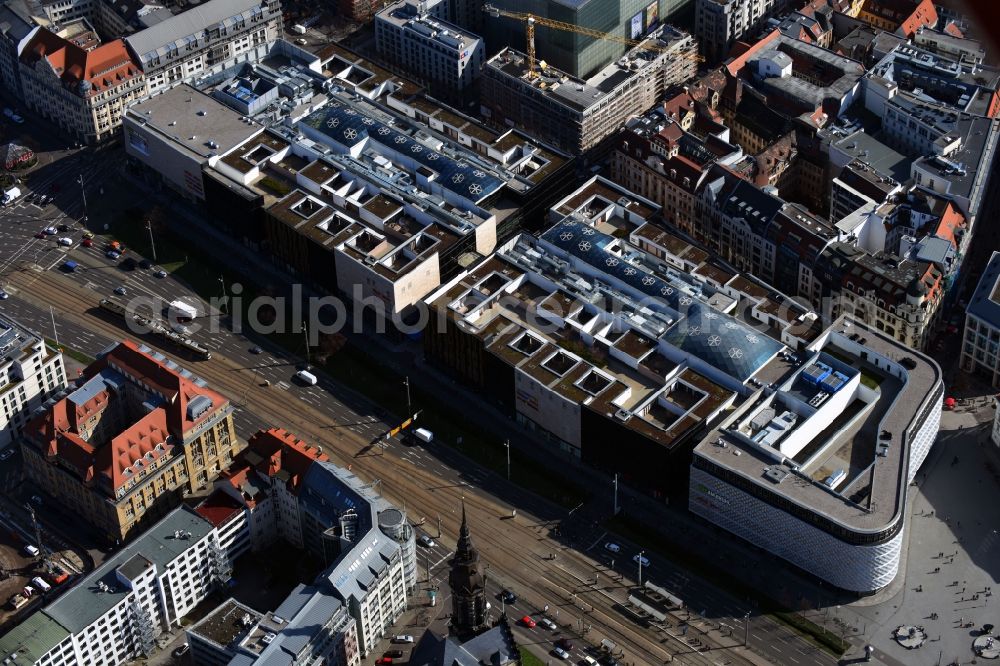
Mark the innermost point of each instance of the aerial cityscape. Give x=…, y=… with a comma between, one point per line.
x=499, y=332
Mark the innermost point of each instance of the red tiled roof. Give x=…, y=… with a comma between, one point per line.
x=57, y=430
x=954, y=30
x=282, y=450
x=218, y=507
x=742, y=52
x=924, y=15
x=951, y=221
x=104, y=67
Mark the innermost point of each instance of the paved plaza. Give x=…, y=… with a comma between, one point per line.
x=952, y=562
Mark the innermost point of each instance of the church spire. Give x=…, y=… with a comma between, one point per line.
x=468, y=587
x=464, y=550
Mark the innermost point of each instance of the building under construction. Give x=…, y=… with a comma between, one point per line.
x=575, y=115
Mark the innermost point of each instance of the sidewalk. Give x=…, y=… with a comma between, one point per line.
x=700, y=540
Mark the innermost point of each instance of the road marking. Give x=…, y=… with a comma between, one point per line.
x=284, y=386
x=603, y=534
x=447, y=555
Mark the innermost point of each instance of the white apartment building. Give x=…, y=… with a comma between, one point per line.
x=282, y=488
x=430, y=49
x=831, y=504
x=311, y=627
x=29, y=373
x=719, y=23
x=205, y=40
x=981, y=341
x=115, y=614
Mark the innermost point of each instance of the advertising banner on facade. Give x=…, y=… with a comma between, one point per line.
x=636, y=31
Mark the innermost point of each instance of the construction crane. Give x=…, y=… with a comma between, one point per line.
x=45, y=553
x=530, y=21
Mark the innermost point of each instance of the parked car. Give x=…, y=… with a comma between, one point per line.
x=4, y=295
x=88, y=234
x=7, y=453
x=565, y=644
x=87, y=242
x=393, y=654
x=10, y=113
x=426, y=541
x=384, y=660
x=402, y=638
x=40, y=234
x=30, y=551
x=528, y=622
x=50, y=231
x=65, y=241
x=612, y=547
x=63, y=228
x=181, y=650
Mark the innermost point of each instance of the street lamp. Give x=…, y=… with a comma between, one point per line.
x=507, y=446
x=225, y=297
x=83, y=193
x=639, y=560
x=746, y=629
x=409, y=405
x=152, y=244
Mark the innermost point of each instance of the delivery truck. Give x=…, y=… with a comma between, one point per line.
x=11, y=195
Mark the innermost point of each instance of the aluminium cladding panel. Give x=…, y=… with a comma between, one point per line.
x=920, y=443
x=857, y=568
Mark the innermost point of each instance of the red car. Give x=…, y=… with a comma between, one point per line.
x=41, y=234
x=384, y=660
x=86, y=242
x=528, y=622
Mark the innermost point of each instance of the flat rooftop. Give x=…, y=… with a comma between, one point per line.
x=227, y=624
x=900, y=403
x=579, y=94
x=198, y=123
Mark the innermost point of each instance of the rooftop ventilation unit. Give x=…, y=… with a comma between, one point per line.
x=775, y=474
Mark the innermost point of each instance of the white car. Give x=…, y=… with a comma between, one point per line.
x=402, y=638
x=639, y=559
x=612, y=547
x=30, y=551
x=548, y=624
x=50, y=231
x=559, y=652
x=426, y=541
x=65, y=241
x=4, y=295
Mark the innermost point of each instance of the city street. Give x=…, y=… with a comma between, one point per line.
x=431, y=480
x=432, y=484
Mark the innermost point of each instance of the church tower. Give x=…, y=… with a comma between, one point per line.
x=468, y=587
